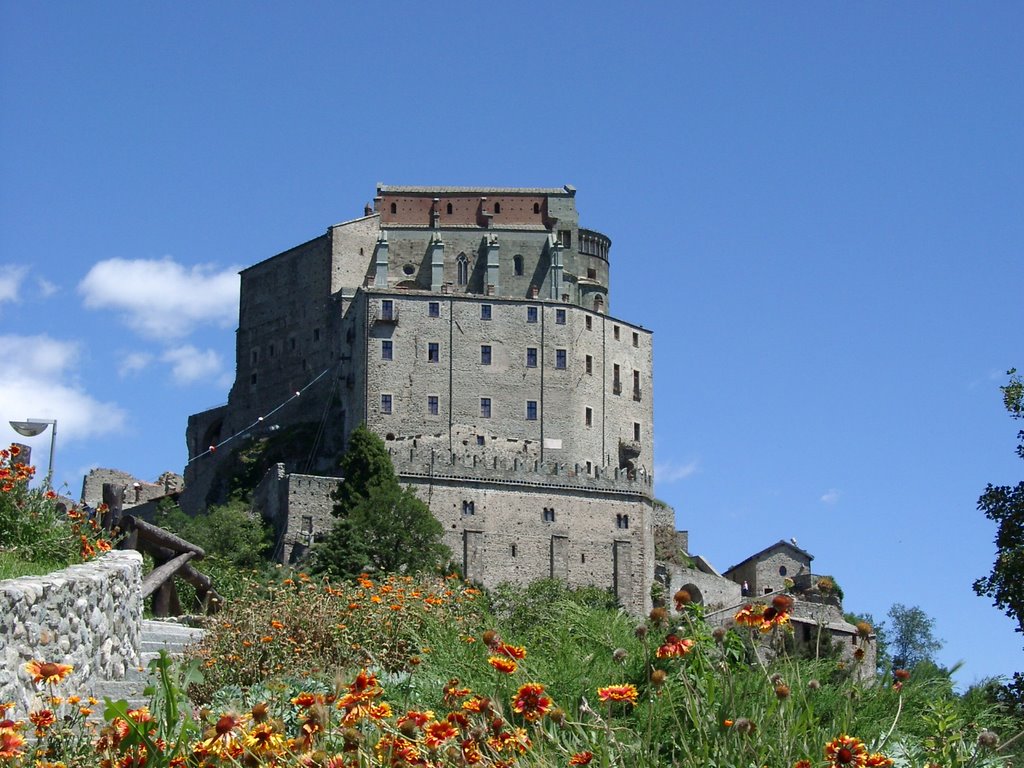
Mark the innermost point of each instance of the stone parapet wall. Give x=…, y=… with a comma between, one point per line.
x=89, y=616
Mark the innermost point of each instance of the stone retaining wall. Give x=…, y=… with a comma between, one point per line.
x=89, y=616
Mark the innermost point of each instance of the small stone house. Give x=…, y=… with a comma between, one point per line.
x=767, y=570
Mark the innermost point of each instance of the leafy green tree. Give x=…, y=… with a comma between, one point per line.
x=380, y=526
x=228, y=532
x=912, y=638
x=1004, y=505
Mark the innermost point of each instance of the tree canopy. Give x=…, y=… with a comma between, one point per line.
x=911, y=636
x=380, y=526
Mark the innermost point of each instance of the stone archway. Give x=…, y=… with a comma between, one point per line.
x=695, y=594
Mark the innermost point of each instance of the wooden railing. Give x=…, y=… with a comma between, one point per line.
x=171, y=554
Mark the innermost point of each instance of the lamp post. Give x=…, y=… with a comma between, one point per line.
x=33, y=427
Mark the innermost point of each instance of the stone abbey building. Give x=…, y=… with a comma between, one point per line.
x=471, y=329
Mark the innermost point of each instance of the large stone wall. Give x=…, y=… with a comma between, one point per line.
x=89, y=616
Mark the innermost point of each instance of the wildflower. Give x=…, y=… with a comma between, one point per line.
x=48, y=672
x=263, y=738
x=727, y=723
x=658, y=615
x=864, y=629
x=581, y=758
x=624, y=692
x=878, y=760
x=745, y=725
x=477, y=704
x=42, y=719
x=674, y=646
x=682, y=598
x=640, y=631
x=802, y=764
x=658, y=677
x=531, y=702
x=416, y=718
x=719, y=634
x=502, y=664
x=988, y=739
x=901, y=675
x=813, y=685
x=260, y=713
x=846, y=751
x=782, y=691
x=490, y=637
x=858, y=654
x=619, y=655
x=11, y=743
x=439, y=732
x=512, y=651
x=275, y=624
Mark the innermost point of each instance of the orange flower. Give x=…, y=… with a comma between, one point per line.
x=531, y=702
x=438, y=733
x=878, y=760
x=48, y=672
x=802, y=764
x=581, y=758
x=512, y=651
x=625, y=692
x=673, y=646
x=846, y=751
x=42, y=719
x=263, y=738
x=502, y=664
x=11, y=743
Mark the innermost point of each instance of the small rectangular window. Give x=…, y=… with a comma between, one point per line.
x=485, y=354
x=590, y=323
x=468, y=508
x=433, y=352
x=255, y=357
x=560, y=317
x=549, y=514
x=588, y=418
x=590, y=365
x=531, y=314
x=636, y=431
x=531, y=410
x=485, y=311
x=479, y=439
x=615, y=331
x=252, y=379
x=531, y=357
x=291, y=343
x=636, y=339
x=387, y=309
x=385, y=403
x=565, y=237
x=622, y=521
x=316, y=334
x=432, y=407
x=485, y=407
x=271, y=350
x=590, y=468
x=591, y=273
x=434, y=309
x=560, y=358
x=386, y=349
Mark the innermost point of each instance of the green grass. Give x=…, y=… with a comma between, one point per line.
x=12, y=566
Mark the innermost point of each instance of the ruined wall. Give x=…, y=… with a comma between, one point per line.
x=136, y=491
x=713, y=592
x=89, y=616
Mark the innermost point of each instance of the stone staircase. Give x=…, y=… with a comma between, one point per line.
x=156, y=636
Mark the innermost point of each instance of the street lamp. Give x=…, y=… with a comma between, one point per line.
x=33, y=427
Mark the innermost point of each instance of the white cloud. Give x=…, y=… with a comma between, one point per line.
x=10, y=281
x=160, y=298
x=133, y=363
x=671, y=473
x=831, y=496
x=189, y=365
x=39, y=381
x=46, y=288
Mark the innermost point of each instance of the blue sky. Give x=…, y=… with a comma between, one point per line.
x=817, y=208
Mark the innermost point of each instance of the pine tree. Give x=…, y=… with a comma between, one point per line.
x=379, y=525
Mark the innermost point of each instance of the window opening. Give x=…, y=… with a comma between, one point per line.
x=636, y=339
x=560, y=358
x=485, y=311
x=432, y=405
x=549, y=514
x=462, y=263
x=485, y=354
x=590, y=365
x=588, y=418
x=636, y=431
x=517, y=265
x=531, y=410
x=433, y=352
x=485, y=407
x=531, y=357
x=449, y=209
x=560, y=316
x=434, y=309
x=385, y=403
x=394, y=207
x=497, y=207
x=531, y=314
x=386, y=349
x=590, y=323
x=468, y=508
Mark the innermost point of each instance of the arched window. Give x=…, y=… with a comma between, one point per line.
x=394, y=207
x=517, y=265
x=449, y=209
x=463, y=266
x=536, y=207
x=497, y=207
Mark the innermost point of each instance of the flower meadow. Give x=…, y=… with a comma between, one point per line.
x=427, y=670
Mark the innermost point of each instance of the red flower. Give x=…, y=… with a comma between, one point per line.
x=531, y=702
x=502, y=664
x=581, y=758
x=673, y=646
x=846, y=751
x=626, y=692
